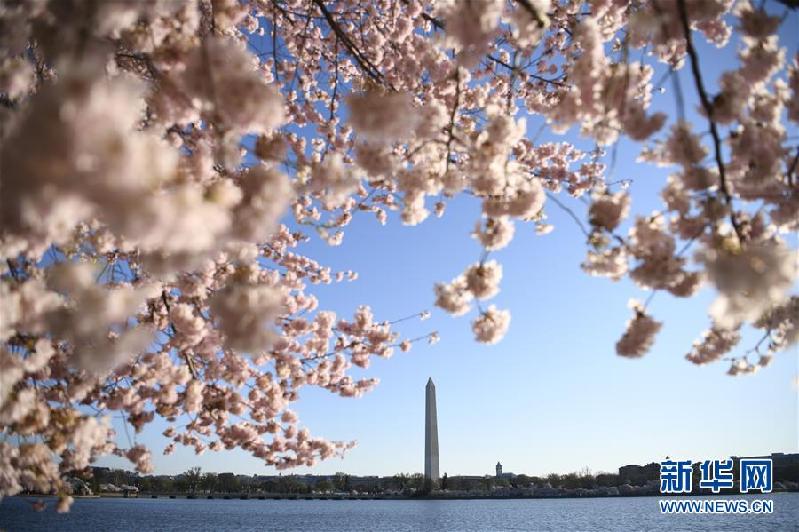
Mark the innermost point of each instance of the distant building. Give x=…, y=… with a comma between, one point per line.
x=778, y=459
x=500, y=474
x=786, y=466
x=782, y=459
x=638, y=475
x=362, y=482
x=79, y=487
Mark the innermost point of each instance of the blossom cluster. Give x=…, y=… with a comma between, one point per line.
x=162, y=162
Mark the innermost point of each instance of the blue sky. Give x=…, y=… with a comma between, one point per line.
x=552, y=396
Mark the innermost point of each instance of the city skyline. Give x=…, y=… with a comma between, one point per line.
x=496, y=471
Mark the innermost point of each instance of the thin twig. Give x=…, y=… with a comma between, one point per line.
x=453, y=113
x=570, y=212
x=513, y=68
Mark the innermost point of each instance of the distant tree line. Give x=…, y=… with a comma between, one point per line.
x=194, y=480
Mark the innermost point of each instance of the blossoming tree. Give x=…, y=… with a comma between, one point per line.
x=163, y=161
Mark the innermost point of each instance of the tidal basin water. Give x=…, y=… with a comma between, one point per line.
x=629, y=513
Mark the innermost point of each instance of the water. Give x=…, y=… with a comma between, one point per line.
x=630, y=513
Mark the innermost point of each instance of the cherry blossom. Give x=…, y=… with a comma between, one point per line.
x=491, y=325
x=164, y=166
x=640, y=334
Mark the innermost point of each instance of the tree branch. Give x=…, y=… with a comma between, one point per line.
x=530, y=8
x=708, y=107
x=362, y=61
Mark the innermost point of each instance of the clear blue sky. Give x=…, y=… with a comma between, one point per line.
x=552, y=396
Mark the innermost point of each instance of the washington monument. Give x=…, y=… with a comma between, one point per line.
x=430, y=433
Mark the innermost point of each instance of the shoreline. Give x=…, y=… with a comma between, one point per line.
x=291, y=497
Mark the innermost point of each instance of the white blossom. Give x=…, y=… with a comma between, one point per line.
x=750, y=280
x=482, y=279
x=491, y=325
x=246, y=316
x=380, y=116
x=637, y=340
x=454, y=297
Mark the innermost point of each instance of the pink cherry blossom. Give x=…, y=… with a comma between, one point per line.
x=162, y=176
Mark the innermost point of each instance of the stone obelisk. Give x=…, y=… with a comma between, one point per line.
x=430, y=433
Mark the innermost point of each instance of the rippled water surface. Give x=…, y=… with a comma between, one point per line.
x=636, y=513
